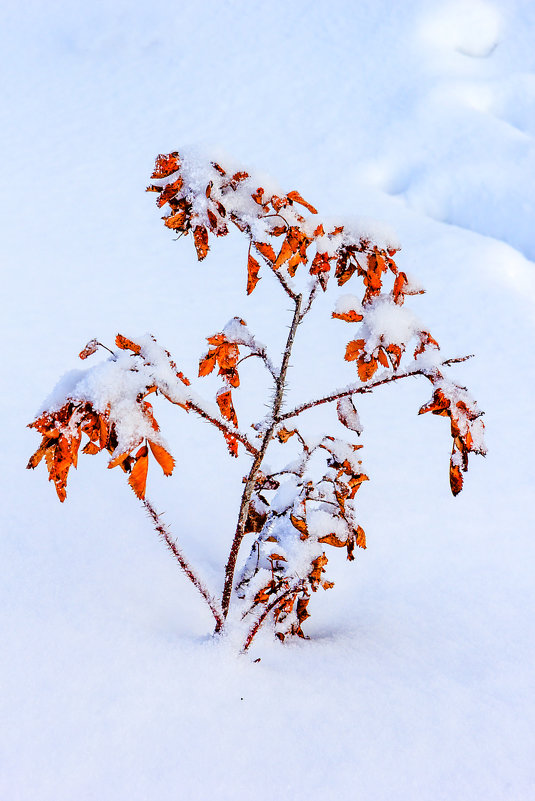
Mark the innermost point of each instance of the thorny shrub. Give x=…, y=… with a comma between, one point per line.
x=294, y=515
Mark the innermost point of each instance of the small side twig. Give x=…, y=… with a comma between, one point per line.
x=165, y=535
x=253, y=631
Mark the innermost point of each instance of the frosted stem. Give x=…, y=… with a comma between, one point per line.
x=249, y=484
x=165, y=535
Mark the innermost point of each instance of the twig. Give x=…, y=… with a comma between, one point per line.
x=255, y=628
x=368, y=387
x=249, y=484
x=173, y=547
x=218, y=423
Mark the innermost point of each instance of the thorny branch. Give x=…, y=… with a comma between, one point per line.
x=249, y=484
x=367, y=387
x=164, y=534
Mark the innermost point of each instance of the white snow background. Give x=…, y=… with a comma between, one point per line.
x=417, y=681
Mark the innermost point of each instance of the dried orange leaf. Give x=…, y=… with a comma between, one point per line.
x=296, y=198
x=266, y=250
x=165, y=165
x=169, y=192
x=299, y=524
x=138, y=476
x=361, y=537
x=163, y=457
x=350, y=316
x=89, y=349
x=39, y=453
x=175, y=221
x=200, y=237
x=207, y=364
x=126, y=344
x=456, y=479
x=224, y=401
x=353, y=349
x=283, y=435
x=366, y=369
x=382, y=358
x=332, y=539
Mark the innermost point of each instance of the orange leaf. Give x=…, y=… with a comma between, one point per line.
x=169, y=192
x=119, y=459
x=127, y=344
x=395, y=353
x=286, y=251
x=382, y=358
x=276, y=557
x=227, y=355
x=92, y=448
x=257, y=196
x=320, y=264
x=175, y=221
x=165, y=165
x=296, y=198
x=39, y=453
x=353, y=349
x=300, y=525
x=439, y=404
x=361, y=537
x=138, y=476
x=164, y=459
x=232, y=444
x=350, y=316
x=456, y=479
x=224, y=401
x=207, y=364
x=283, y=435
x=332, y=539
x=89, y=349
x=366, y=369
x=200, y=237
x=266, y=250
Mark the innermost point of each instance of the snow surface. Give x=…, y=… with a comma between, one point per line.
x=418, y=678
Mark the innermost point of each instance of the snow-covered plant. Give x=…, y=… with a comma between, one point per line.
x=295, y=514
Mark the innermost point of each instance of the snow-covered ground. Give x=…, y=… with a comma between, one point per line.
x=418, y=678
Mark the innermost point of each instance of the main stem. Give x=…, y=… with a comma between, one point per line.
x=249, y=484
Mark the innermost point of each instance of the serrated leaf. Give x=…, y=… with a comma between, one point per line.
x=127, y=344
x=456, y=479
x=353, y=349
x=200, y=237
x=163, y=457
x=207, y=364
x=224, y=401
x=266, y=250
x=360, y=537
x=138, y=476
x=366, y=368
x=253, y=268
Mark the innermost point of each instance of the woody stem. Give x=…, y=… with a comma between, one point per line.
x=165, y=535
x=250, y=481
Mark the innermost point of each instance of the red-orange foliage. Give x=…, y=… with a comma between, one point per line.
x=292, y=514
